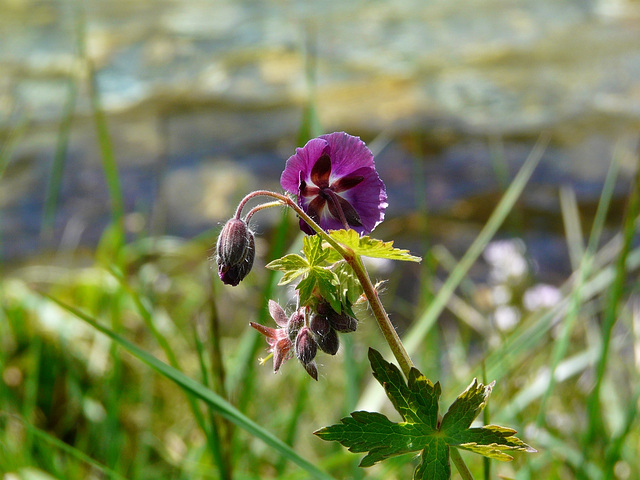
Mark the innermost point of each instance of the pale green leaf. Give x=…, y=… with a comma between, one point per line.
x=370, y=247
x=492, y=441
x=313, y=250
x=350, y=288
x=291, y=265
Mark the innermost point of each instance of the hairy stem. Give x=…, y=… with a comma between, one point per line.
x=264, y=206
x=458, y=461
x=387, y=328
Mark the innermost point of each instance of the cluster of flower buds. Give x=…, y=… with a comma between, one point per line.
x=296, y=334
x=236, y=250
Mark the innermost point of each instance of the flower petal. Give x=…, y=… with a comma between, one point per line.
x=281, y=352
x=321, y=171
x=348, y=153
x=316, y=207
x=350, y=214
x=266, y=331
x=278, y=314
x=369, y=198
x=302, y=163
x=345, y=183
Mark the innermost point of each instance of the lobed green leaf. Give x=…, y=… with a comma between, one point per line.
x=328, y=283
x=291, y=265
x=374, y=433
x=370, y=247
x=492, y=441
x=434, y=461
x=416, y=400
x=466, y=408
x=350, y=288
x=313, y=250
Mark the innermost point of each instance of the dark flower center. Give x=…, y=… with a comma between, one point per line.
x=326, y=194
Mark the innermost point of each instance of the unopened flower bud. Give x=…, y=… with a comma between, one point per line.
x=341, y=322
x=326, y=337
x=236, y=251
x=296, y=322
x=319, y=325
x=312, y=369
x=306, y=347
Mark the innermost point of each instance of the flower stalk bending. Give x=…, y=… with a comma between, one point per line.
x=354, y=260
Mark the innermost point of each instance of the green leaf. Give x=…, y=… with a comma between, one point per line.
x=434, y=461
x=466, y=407
x=325, y=281
x=328, y=284
x=370, y=247
x=492, y=441
x=292, y=265
x=416, y=400
x=350, y=288
x=313, y=250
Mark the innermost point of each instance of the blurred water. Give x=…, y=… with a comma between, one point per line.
x=204, y=95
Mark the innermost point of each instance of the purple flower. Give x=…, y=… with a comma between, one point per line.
x=335, y=180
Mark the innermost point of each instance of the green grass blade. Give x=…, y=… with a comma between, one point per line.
x=576, y=297
x=352, y=383
x=59, y=160
x=615, y=447
x=416, y=335
x=302, y=395
x=535, y=389
x=568, y=454
x=616, y=291
x=310, y=126
x=535, y=328
x=8, y=146
x=221, y=406
x=68, y=449
x=572, y=227
x=31, y=391
x=143, y=311
x=105, y=144
x=223, y=429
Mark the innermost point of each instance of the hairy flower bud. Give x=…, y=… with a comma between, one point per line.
x=306, y=347
x=312, y=369
x=326, y=337
x=236, y=251
x=341, y=322
x=296, y=322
